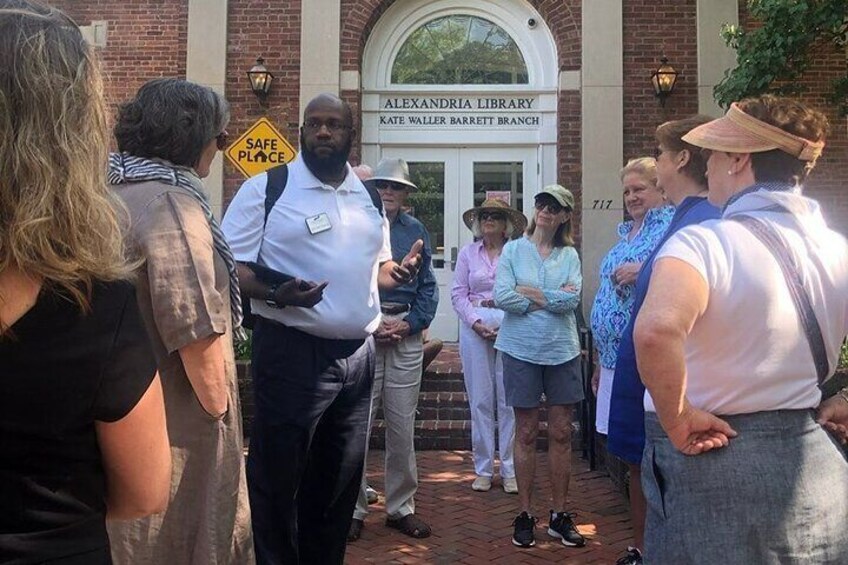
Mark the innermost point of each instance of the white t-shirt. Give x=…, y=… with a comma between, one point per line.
x=347, y=255
x=748, y=352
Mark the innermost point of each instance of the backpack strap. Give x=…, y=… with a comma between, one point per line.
x=803, y=305
x=278, y=178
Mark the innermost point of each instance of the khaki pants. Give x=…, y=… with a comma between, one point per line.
x=397, y=382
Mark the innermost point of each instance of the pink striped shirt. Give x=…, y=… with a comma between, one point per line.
x=473, y=280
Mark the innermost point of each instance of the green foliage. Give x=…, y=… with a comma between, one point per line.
x=243, y=349
x=774, y=56
x=843, y=355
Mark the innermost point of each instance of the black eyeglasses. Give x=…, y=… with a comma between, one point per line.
x=388, y=185
x=222, y=140
x=657, y=152
x=496, y=216
x=333, y=126
x=553, y=207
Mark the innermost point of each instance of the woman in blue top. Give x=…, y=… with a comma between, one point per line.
x=637, y=238
x=537, y=284
x=680, y=174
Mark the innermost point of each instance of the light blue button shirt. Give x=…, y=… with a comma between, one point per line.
x=547, y=336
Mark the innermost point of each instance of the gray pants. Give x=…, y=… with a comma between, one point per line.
x=778, y=494
x=397, y=382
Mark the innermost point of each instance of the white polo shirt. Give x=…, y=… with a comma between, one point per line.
x=748, y=352
x=346, y=256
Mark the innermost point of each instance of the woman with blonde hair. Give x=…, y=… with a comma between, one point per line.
x=82, y=423
x=744, y=319
x=537, y=285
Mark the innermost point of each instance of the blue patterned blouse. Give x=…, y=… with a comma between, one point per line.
x=614, y=303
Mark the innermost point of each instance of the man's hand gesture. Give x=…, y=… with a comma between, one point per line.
x=408, y=268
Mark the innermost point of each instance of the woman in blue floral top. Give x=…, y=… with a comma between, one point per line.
x=645, y=203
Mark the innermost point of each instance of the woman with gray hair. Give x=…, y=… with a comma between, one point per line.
x=168, y=136
x=493, y=224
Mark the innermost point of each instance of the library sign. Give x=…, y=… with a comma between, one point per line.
x=453, y=112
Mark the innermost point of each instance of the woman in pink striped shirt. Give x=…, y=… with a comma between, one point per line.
x=493, y=224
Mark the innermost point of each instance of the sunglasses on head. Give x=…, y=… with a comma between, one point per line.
x=496, y=216
x=222, y=140
x=553, y=206
x=388, y=185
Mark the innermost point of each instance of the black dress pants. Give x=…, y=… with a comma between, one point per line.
x=307, y=445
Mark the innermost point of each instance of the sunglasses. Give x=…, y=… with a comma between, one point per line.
x=553, y=207
x=222, y=140
x=388, y=185
x=496, y=216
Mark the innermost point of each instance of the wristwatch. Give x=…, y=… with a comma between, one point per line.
x=270, y=296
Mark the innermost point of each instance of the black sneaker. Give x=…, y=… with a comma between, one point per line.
x=562, y=527
x=523, y=534
x=633, y=557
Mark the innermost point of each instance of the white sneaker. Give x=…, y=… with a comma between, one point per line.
x=482, y=484
x=510, y=486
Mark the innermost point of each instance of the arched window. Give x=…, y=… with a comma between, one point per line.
x=459, y=49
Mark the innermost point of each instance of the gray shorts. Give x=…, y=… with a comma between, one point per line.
x=525, y=382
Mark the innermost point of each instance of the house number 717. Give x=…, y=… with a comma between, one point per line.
x=601, y=204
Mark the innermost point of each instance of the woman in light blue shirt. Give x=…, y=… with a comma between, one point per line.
x=538, y=286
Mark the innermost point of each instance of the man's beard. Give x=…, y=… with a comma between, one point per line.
x=321, y=165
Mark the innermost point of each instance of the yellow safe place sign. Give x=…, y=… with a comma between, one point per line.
x=260, y=148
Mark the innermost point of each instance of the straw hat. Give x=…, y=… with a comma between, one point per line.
x=738, y=132
x=519, y=222
x=392, y=170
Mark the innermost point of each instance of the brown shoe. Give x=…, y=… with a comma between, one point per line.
x=355, y=531
x=410, y=525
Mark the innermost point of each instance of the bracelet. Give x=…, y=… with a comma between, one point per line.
x=844, y=393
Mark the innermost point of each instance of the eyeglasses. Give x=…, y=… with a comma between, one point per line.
x=495, y=216
x=333, y=126
x=553, y=207
x=388, y=185
x=705, y=153
x=222, y=140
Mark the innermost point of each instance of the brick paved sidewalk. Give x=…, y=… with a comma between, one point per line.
x=475, y=527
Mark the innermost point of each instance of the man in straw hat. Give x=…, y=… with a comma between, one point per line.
x=407, y=310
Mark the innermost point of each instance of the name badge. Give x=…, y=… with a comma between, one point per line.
x=318, y=224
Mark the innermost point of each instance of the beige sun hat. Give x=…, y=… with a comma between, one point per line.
x=392, y=170
x=738, y=132
x=518, y=220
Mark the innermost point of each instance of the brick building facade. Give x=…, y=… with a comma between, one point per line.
x=591, y=83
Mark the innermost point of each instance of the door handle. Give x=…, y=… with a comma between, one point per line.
x=453, y=255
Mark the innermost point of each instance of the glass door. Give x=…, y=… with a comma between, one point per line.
x=450, y=181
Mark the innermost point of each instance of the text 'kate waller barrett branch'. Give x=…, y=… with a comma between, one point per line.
x=478, y=112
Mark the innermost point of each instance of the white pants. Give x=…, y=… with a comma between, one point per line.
x=602, y=409
x=397, y=382
x=483, y=370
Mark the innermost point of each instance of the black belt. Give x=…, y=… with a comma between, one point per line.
x=392, y=309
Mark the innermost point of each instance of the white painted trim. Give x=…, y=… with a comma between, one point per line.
x=602, y=136
x=320, y=49
x=714, y=56
x=402, y=18
x=96, y=33
x=206, y=63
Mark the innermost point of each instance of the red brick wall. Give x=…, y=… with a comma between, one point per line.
x=146, y=40
x=653, y=28
x=270, y=29
x=828, y=181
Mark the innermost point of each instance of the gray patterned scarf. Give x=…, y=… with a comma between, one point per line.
x=125, y=168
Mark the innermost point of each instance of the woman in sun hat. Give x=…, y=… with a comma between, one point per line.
x=493, y=224
x=743, y=319
x=538, y=286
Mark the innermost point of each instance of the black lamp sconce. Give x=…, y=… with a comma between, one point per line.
x=663, y=80
x=260, y=80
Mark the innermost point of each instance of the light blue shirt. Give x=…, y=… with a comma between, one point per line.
x=547, y=336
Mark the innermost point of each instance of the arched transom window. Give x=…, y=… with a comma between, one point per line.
x=459, y=49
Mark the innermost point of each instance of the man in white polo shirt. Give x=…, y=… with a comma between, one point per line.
x=313, y=358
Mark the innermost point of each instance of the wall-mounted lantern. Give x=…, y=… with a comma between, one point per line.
x=664, y=79
x=260, y=79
